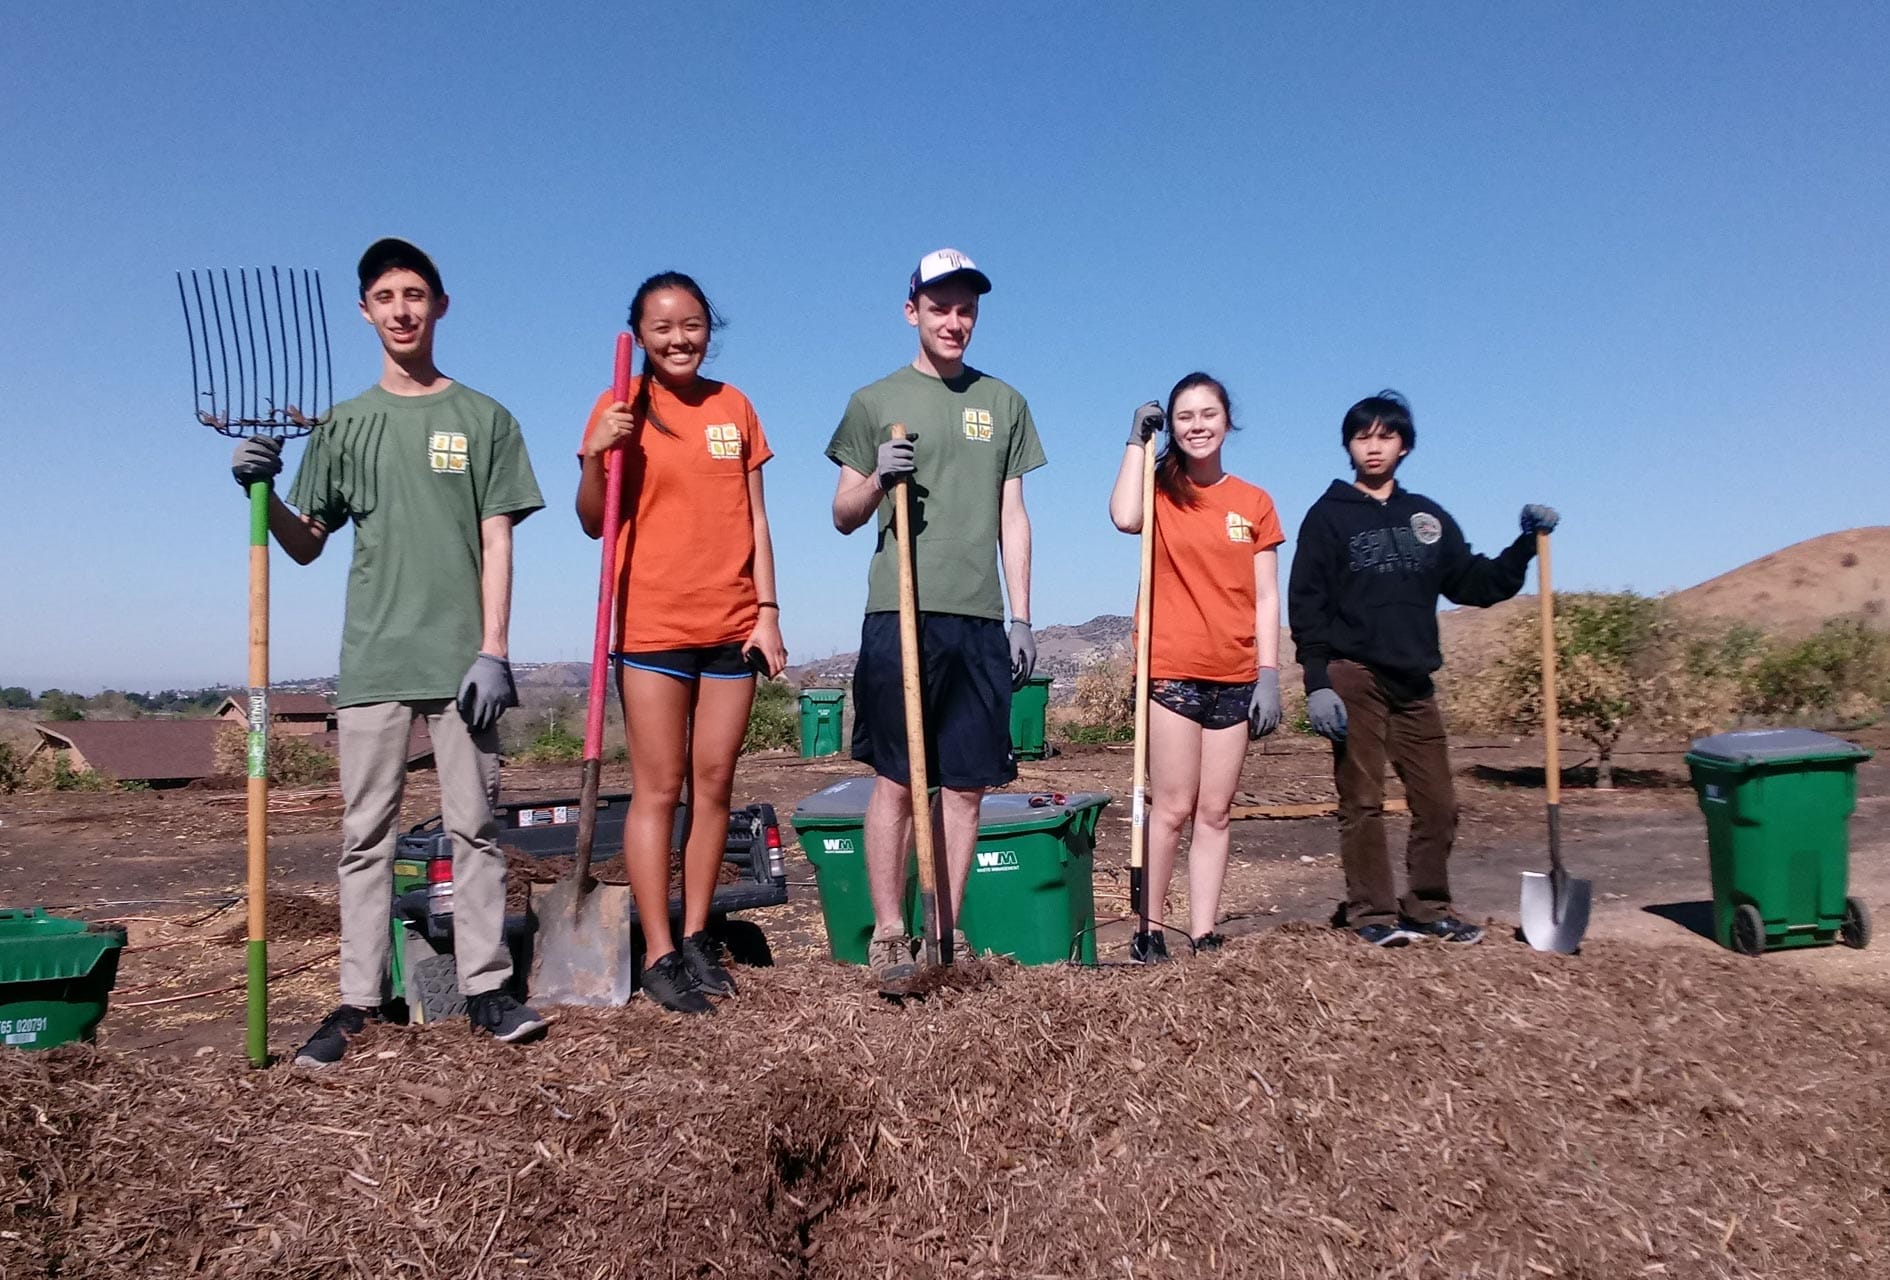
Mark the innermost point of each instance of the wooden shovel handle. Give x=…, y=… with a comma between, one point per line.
x=917, y=782
x=1551, y=726
x=1138, y=817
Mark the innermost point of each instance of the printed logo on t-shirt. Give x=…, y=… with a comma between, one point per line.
x=1239, y=527
x=448, y=450
x=1427, y=527
x=978, y=424
x=725, y=440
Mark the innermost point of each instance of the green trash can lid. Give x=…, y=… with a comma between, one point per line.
x=37, y=947
x=822, y=695
x=1008, y=811
x=1775, y=746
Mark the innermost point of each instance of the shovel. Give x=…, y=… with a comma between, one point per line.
x=582, y=954
x=1138, y=809
x=1554, y=907
x=935, y=947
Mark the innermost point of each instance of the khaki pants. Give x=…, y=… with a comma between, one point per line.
x=1410, y=735
x=373, y=775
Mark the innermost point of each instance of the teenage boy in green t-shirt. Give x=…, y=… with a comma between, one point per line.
x=970, y=440
x=433, y=476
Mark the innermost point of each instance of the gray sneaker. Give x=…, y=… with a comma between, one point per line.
x=962, y=950
x=890, y=958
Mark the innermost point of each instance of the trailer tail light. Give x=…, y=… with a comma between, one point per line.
x=777, y=863
x=440, y=885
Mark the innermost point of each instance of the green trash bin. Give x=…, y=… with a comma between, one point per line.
x=1030, y=895
x=821, y=712
x=1028, y=707
x=1778, y=804
x=55, y=977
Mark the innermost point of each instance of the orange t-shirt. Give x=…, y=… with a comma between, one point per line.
x=1203, y=608
x=686, y=553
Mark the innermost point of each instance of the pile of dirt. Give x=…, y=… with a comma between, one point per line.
x=292, y=917
x=1296, y=1106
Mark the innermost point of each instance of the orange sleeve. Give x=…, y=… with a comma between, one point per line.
x=1267, y=533
x=604, y=401
x=756, y=450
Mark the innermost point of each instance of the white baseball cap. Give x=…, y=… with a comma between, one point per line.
x=942, y=263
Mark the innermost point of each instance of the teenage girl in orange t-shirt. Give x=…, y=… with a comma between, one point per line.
x=1214, y=643
x=697, y=620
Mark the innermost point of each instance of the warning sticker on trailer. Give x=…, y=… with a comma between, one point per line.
x=552, y=817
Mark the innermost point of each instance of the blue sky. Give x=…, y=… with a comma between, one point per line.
x=1626, y=259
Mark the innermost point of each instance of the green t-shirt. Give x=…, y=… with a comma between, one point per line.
x=974, y=433
x=416, y=474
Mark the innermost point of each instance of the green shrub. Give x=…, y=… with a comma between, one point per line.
x=556, y=745
x=53, y=771
x=1077, y=731
x=12, y=768
x=294, y=760
x=1840, y=671
x=775, y=720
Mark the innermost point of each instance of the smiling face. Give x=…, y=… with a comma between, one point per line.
x=1198, y=421
x=1376, y=452
x=674, y=330
x=403, y=309
x=944, y=314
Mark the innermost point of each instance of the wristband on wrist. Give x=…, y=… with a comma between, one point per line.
x=768, y=604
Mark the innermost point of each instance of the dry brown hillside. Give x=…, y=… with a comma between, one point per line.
x=1794, y=590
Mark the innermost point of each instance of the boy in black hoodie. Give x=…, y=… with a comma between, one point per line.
x=1371, y=560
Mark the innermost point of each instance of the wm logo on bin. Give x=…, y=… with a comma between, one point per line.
x=841, y=845
x=997, y=859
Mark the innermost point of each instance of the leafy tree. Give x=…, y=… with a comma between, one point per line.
x=15, y=698
x=1840, y=671
x=775, y=720
x=57, y=704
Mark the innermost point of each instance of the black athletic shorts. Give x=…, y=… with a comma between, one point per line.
x=965, y=666
x=712, y=662
x=1208, y=703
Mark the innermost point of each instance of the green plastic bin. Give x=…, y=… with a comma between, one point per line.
x=1030, y=895
x=55, y=977
x=1778, y=805
x=1028, y=708
x=821, y=713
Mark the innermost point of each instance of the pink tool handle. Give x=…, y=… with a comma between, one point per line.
x=607, y=577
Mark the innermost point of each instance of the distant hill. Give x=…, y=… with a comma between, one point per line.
x=1793, y=591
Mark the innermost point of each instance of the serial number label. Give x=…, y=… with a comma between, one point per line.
x=23, y=1030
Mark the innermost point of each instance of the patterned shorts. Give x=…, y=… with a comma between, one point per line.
x=1209, y=704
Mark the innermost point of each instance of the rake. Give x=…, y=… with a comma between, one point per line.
x=259, y=366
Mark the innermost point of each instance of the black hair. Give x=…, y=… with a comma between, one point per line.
x=392, y=254
x=1388, y=409
x=655, y=284
x=1171, y=471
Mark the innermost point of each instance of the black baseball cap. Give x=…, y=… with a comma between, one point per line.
x=390, y=253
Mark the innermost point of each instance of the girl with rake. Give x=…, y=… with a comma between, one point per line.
x=1214, y=640
x=697, y=617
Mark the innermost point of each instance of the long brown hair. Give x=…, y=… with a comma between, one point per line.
x=1171, y=471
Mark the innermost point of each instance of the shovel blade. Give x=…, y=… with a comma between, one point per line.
x=581, y=952
x=1550, y=923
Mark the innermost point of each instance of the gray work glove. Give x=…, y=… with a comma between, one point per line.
x=1537, y=518
x=1263, y=713
x=1023, y=654
x=486, y=692
x=1326, y=710
x=895, y=461
x=1145, y=422
x=257, y=458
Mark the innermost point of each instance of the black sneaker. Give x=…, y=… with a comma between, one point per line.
x=1149, y=948
x=330, y=1041
x=503, y=1017
x=1386, y=935
x=1447, y=929
x=1209, y=941
x=667, y=981
x=703, y=954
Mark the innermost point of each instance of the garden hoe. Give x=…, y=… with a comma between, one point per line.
x=582, y=953
x=1138, y=808
x=935, y=947
x=282, y=388
x=1554, y=907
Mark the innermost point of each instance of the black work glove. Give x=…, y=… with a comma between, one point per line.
x=1145, y=422
x=257, y=458
x=486, y=692
x=1537, y=518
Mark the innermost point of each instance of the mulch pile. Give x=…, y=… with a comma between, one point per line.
x=1297, y=1105
x=290, y=917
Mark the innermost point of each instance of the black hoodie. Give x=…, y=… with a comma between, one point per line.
x=1366, y=577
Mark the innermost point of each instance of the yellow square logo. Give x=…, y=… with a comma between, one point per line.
x=1239, y=528
x=977, y=424
x=447, y=451
x=725, y=440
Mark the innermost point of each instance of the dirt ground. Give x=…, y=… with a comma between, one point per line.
x=169, y=865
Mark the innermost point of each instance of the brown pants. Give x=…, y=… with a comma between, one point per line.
x=1410, y=734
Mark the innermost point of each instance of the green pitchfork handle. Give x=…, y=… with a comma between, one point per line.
x=258, y=761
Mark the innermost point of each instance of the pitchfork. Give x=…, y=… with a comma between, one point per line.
x=282, y=387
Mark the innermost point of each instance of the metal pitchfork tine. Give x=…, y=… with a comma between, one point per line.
x=249, y=404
